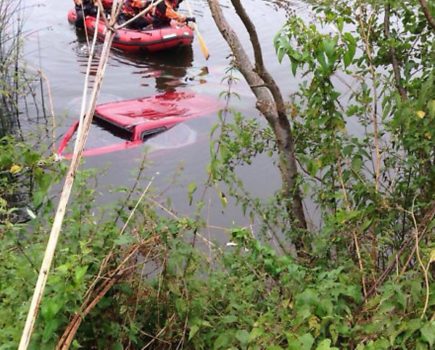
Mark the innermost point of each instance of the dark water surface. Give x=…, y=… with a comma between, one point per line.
x=54, y=46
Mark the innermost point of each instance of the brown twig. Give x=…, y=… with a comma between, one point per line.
x=393, y=57
x=422, y=229
x=156, y=337
x=96, y=292
x=365, y=35
x=426, y=11
x=50, y=100
x=354, y=233
x=420, y=261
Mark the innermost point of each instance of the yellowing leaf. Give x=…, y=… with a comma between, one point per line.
x=313, y=322
x=431, y=108
x=432, y=256
x=421, y=114
x=224, y=200
x=15, y=169
x=293, y=111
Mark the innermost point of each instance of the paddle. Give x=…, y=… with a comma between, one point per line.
x=201, y=41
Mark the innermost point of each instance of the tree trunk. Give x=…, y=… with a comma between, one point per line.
x=270, y=103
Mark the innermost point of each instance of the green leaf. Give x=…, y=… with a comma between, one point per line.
x=64, y=268
x=280, y=53
x=325, y=345
x=294, y=65
x=50, y=328
x=306, y=341
x=321, y=59
x=357, y=163
x=351, y=49
x=80, y=274
x=124, y=240
x=191, y=188
x=193, y=330
x=428, y=333
x=293, y=343
x=229, y=319
x=117, y=346
x=222, y=341
x=255, y=333
x=50, y=308
x=340, y=24
x=329, y=47
x=242, y=336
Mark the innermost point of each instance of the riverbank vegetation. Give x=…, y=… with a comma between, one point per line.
x=10, y=30
x=341, y=257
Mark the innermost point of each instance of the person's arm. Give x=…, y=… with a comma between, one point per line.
x=172, y=14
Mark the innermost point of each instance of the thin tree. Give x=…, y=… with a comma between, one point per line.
x=270, y=103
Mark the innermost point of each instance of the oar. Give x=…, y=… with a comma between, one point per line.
x=201, y=41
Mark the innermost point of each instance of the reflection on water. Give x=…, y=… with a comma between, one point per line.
x=168, y=68
x=63, y=52
x=175, y=138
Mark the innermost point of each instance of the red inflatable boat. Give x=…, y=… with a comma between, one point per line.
x=150, y=40
x=140, y=118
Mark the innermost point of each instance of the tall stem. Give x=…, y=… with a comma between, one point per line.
x=65, y=195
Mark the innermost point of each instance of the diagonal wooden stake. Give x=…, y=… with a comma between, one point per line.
x=83, y=133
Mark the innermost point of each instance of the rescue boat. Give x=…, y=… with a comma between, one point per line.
x=150, y=40
x=138, y=119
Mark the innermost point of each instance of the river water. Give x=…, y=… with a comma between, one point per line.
x=180, y=155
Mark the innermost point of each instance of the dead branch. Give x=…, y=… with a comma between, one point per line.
x=99, y=290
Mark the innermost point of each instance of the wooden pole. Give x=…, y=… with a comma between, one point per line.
x=201, y=40
x=66, y=192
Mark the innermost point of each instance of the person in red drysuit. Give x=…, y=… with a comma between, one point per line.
x=159, y=15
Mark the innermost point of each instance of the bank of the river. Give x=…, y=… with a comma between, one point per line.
x=361, y=280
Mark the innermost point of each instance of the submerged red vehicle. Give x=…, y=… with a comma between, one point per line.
x=140, y=118
x=150, y=40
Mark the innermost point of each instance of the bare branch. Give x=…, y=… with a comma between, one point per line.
x=393, y=57
x=426, y=11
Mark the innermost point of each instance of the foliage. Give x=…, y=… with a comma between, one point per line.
x=23, y=244
x=253, y=298
x=25, y=177
x=365, y=143
x=376, y=178
x=13, y=86
x=363, y=124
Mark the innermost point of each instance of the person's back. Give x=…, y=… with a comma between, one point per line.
x=165, y=12
x=84, y=8
x=131, y=8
